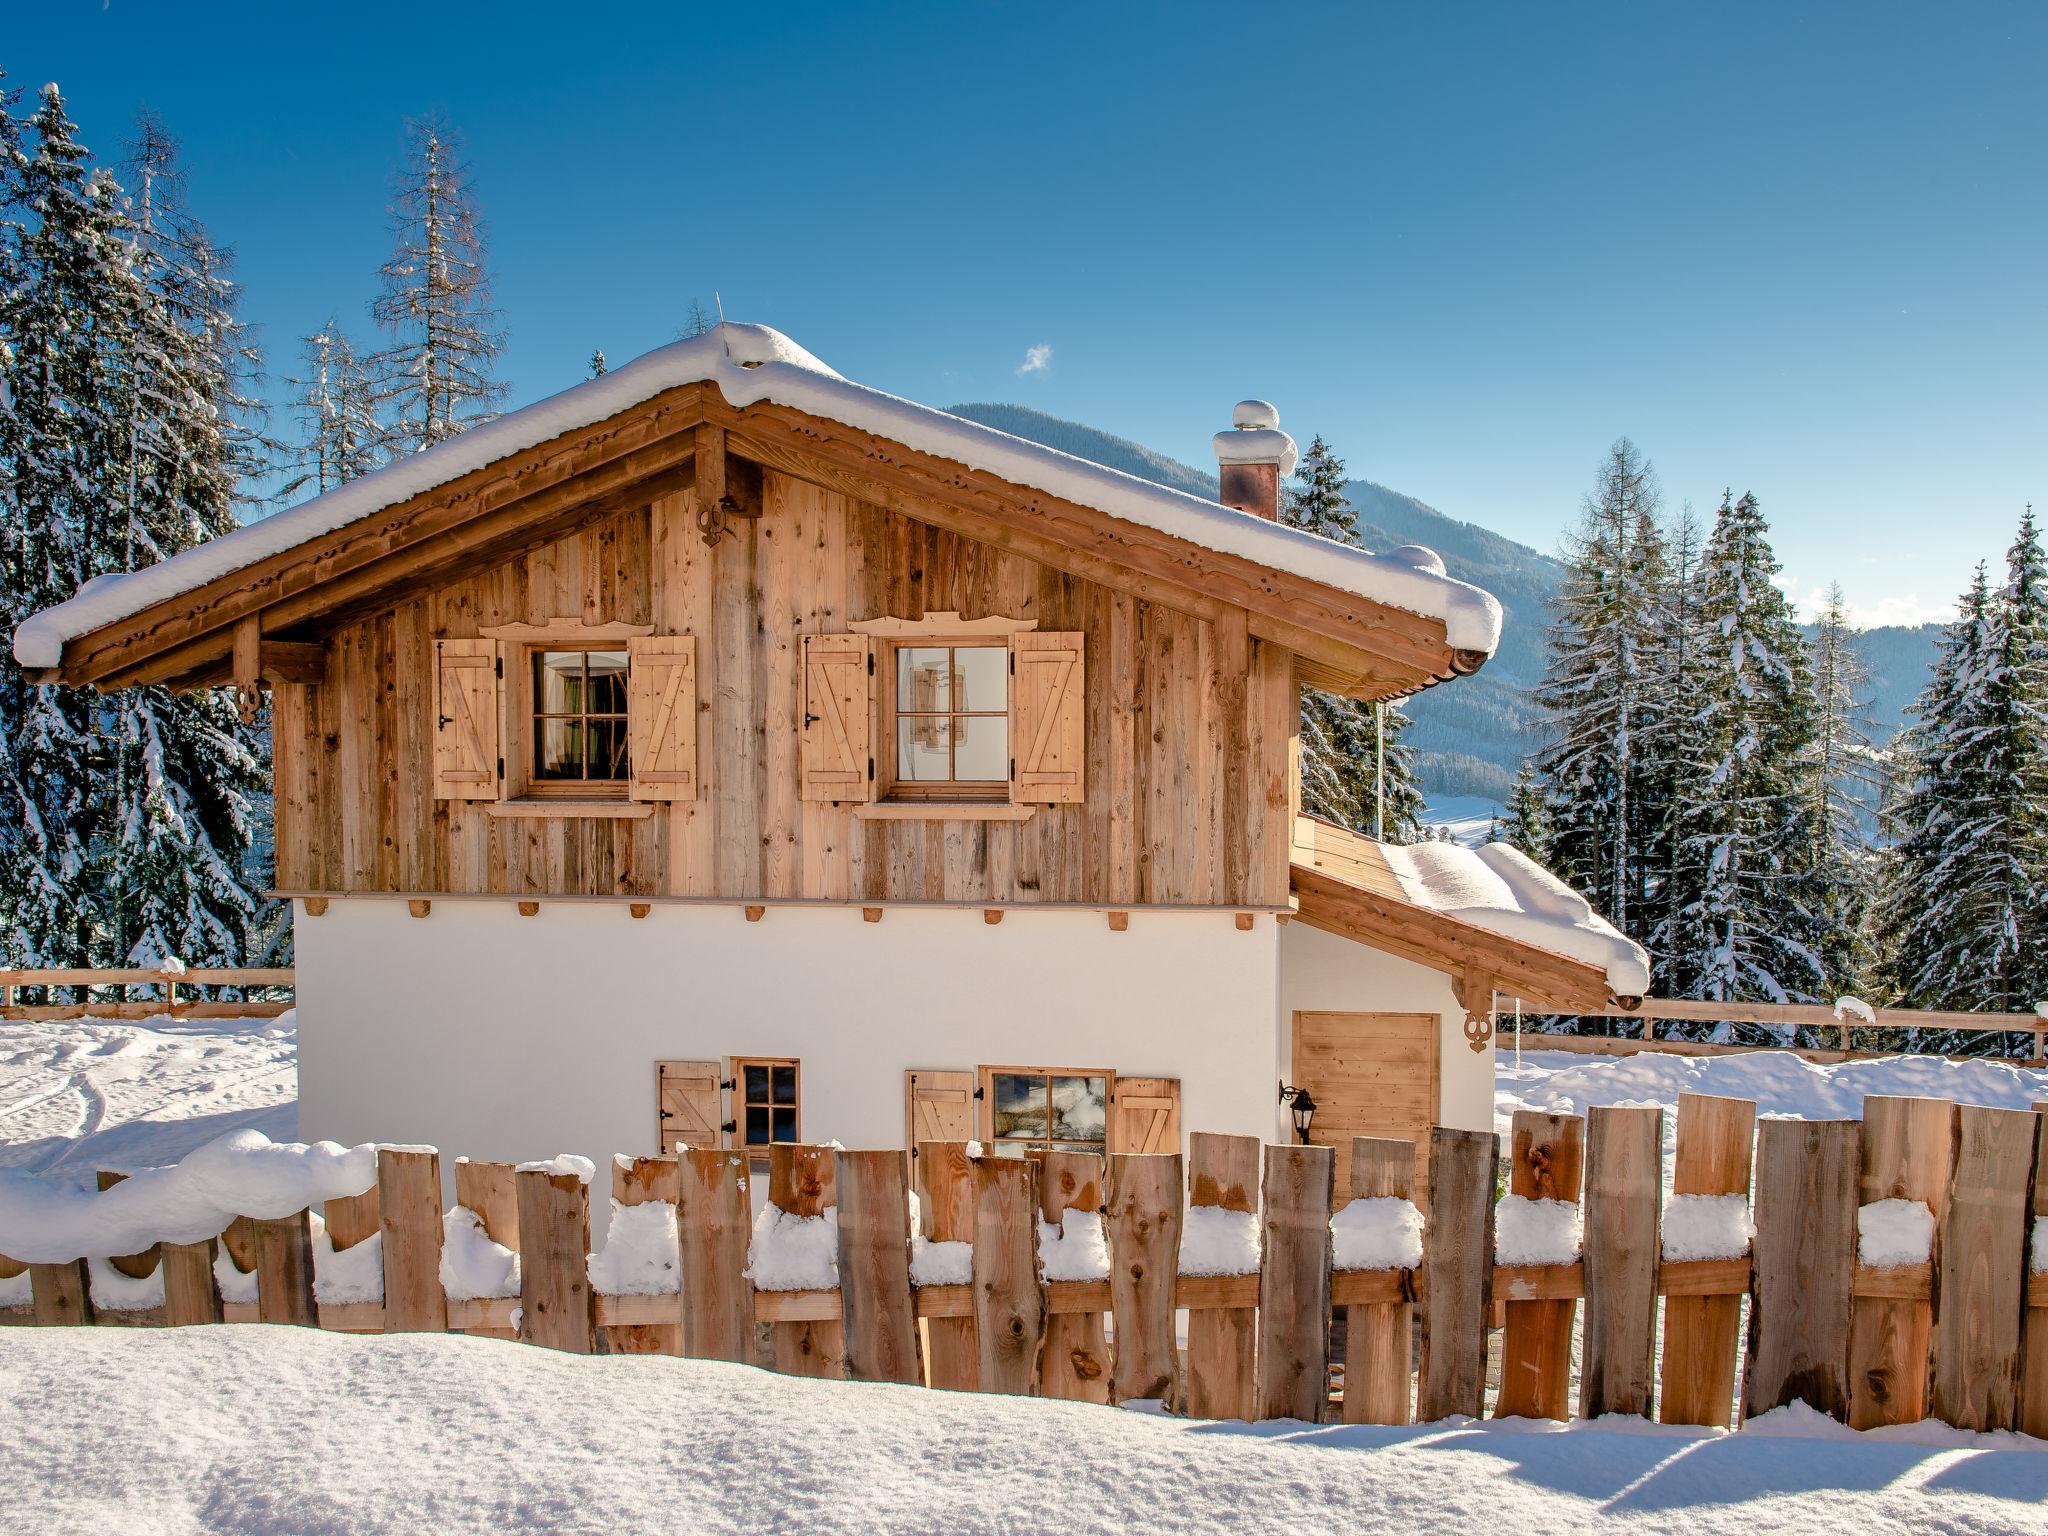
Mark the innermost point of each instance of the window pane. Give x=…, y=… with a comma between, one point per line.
x=1010, y=1149
x=785, y=1124
x=607, y=747
x=922, y=676
x=557, y=682
x=557, y=749
x=757, y=1127
x=923, y=754
x=607, y=682
x=1019, y=1105
x=1080, y=1108
x=981, y=747
x=756, y=1084
x=785, y=1084
x=981, y=674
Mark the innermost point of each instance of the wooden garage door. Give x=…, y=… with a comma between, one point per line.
x=1372, y=1074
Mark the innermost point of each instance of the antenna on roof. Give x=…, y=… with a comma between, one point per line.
x=721, y=305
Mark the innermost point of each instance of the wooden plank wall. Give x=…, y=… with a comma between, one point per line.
x=1191, y=729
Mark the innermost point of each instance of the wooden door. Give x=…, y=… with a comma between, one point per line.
x=1371, y=1074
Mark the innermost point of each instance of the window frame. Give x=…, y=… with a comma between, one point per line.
x=891, y=787
x=537, y=788
x=518, y=644
x=739, y=1105
x=985, y=1117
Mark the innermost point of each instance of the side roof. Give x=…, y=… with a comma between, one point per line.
x=749, y=366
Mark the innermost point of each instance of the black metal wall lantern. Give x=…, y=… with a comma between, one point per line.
x=1302, y=1106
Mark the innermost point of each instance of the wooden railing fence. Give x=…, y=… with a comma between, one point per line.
x=1962, y=1337
x=179, y=992
x=1851, y=1037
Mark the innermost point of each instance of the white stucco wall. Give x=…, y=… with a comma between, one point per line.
x=492, y=1035
x=1321, y=971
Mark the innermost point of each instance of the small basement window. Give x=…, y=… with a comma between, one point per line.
x=578, y=722
x=1034, y=1110
x=769, y=1108
x=950, y=704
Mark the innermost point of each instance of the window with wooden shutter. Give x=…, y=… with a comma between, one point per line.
x=661, y=712
x=691, y=1106
x=1047, y=713
x=938, y=1106
x=836, y=751
x=1146, y=1115
x=466, y=720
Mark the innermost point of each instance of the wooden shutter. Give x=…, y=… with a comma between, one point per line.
x=466, y=746
x=938, y=1106
x=1048, y=701
x=692, y=1109
x=661, y=716
x=836, y=756
x=1146, y=1116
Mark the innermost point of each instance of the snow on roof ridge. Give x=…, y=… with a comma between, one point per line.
x=751, y=364
x=1504, y=891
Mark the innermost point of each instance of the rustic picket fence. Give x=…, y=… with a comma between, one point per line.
x=1962, y=1338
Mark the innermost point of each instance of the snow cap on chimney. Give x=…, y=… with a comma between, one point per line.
x=1251, y=458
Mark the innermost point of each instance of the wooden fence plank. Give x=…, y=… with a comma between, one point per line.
x=351, y=1220
x=1908, y=1154
x=557, y=1309
x=946, y=1207
x=1297, y=1195
x=136, y=1266
x=649, y=1181
x=491, y=1190
x=1076, y=1363
x=1980, y=1275
x=239, y=1243
x=62, y=1294
x=2034, y=1385
x=1379, y=1336
x=1457, y=1269
x=1806, y=1173
x=1144, y=1257
x=714, y=1222
x=190, y=1295
x=1547, y=1155
x=1716, y=1140
x=800, y=1181
x=1624, y=1198
x=1009, y=1296
x=874, y=1268
x=409, y=1216
x=284, y=1271
x=1223, y=1342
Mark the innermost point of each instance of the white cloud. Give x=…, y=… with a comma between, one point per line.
x=1037, y=359
x=1903, y=609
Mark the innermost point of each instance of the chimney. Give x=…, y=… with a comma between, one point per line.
x=1252, y=457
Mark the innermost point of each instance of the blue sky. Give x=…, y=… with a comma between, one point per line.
x=1799, y=250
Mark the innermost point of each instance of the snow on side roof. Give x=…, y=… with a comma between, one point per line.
x=752, y=364
x=1504, y=892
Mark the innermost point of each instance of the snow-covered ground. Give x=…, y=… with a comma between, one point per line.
x=82, y=1094
x=253, y=1429
x=1468, y=818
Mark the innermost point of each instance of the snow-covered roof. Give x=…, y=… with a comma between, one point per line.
x=752, y=364
x=1505, y=892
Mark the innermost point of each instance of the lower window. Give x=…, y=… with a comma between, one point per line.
x=768, y=1100
x=1043, y=1109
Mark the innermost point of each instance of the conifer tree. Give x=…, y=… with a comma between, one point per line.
x=1841, y=788
x=337, y=410
x=598, y=366
x=1526, y=826
x=436, y=378
x=1677, y=763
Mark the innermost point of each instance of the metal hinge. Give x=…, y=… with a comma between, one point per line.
x=1013, y=663
x=981, y=1093
x=728, y=1083
x=498, y=667
x=871, y=770
x=730, y=1127
x=871, y=663
x=1013, y=769
x=666, y=1115
x=501, y=767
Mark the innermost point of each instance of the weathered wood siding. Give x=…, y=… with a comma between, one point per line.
x=1191, y=729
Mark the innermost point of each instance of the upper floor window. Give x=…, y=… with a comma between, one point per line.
x=1040, y=1109
x=952, y=711
x=579, y=719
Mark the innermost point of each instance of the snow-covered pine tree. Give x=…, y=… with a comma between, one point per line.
x=1355, y=768
x=1842, y=779
x=337, y=410
x=58, y=437
x=436, y=377
x=1526, y=824
x=1742, y=927
x=1676, y=765
x=1599, y=690
x=2023, y=642
x=598, y=366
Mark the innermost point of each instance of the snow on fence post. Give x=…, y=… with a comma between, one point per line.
x=1908, y=1154
x=1296, y=1196
x=1980, y=1280
x=1222, y=1363
x=878, y=1309
x=1457, y=1268
x=1144, y=1261
x=1806, y=1173
x=1716, y=1141
x=1378, y=1335
x=946, y=1209
x=649, y=1324
x=133, y=1266
x=350, y=1220
x=801, y=1183
x=490, y=1192
x=62, y=1293
x=238, y=1247
x=714, y=1219
x=1624, y=1194
x=557, y=1308
x=409, y=1217
x=1009, y=1296
x=11, y=1311
x=2034, y=1384
x=1075, y=1363
x=1546, y=1163
x=284, y=1271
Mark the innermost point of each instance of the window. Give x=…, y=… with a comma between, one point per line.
x=767, y=1110
x=1040, y=1109
x=951, y=707
x=579, y=720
